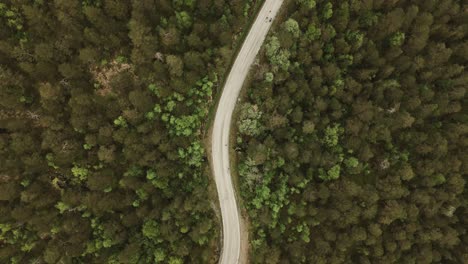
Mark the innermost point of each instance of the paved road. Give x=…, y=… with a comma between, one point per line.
x=221, y=128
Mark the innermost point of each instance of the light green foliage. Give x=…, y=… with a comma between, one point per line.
x=154, y=89
x=27, y=247
x=177, y=96
x=150, y=229
x=307, y=3
x=184, y=20
x=282, y=59
x=165, y=117
x=279, y=163
x=121, y=59
x=184, y=125
x=102, y=238
x=25, y=182
x=327, y=11
x=158, y=182
x=157, y=108
x=260, y=238
x=269, y=77
x=26, y=99
x=351, y=162
x=332, y=174
x=332, y=135
x=120, y=122
x=246, y=9
x=259, y=184
x=338, y=84
x=14, y=21
x=397, y=39
x=175, y=260
x=304, y=231
x=250, y=173
x=355, y=38
x=404, y=156
x=159, y=255
x=437, y=179
x=193, y=156
x=184, y=229
x=170, y=105
x=142, y=194
x=204, y=88
x=4, y=228
x=262, y=194
x=17, y=235
x=278, y=57
x=249, y=120
x=50, y=161
x=80, y=174
x=87, y=146
x=150, y=174
x=279, y=197
x=313, y=32
x=292, y=27
x=62, y=207
x=346, y=60
x=272, y=46
x=150, y=116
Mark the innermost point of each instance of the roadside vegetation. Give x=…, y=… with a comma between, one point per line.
x=103, y=105
x=352, y=137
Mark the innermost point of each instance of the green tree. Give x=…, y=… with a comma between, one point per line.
x=151, y=230
x=327, y=11
x=307, y=3
x=176, y=65
x=184, y=20
x=80, y=174
x=249, y=120
x=292, y=27
x=332, y=174
x=313, y=32
x=397, y=39
x=332, y=135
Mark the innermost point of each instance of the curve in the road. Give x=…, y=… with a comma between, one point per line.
x=230, y=253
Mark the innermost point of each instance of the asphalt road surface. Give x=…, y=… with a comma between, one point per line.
x=221, y=128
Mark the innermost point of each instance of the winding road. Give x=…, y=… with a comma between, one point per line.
x=221, y=128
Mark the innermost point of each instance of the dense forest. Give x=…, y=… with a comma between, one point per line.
x=352, y=136
x=103, y=109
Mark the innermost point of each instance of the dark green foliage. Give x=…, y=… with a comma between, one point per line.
x=103, y=105
x=361, y=154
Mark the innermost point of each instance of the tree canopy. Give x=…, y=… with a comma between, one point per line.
x=358, y=154
x=103, y=108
